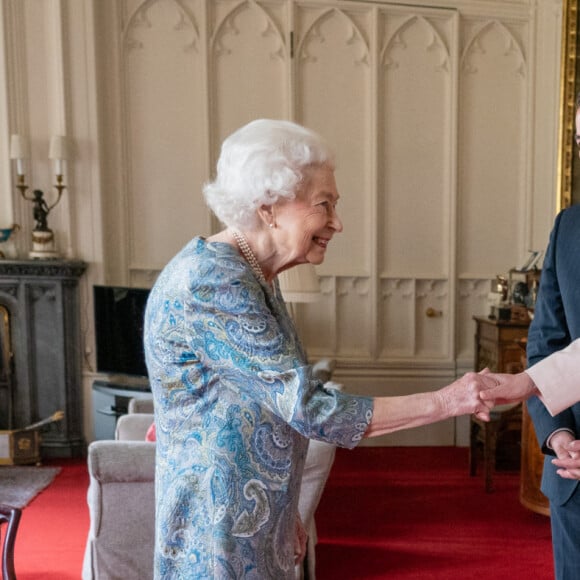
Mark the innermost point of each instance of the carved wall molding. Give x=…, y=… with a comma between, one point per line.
x=228, y=27
x=474, y=288
x=352, y=285
x=433, y=42
x=314, y=34
x=475, y=45
x=140, y=21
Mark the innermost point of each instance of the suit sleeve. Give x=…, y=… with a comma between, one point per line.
x=548, y=333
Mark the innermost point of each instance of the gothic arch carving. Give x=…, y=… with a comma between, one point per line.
x=512, y=46
x=228, y=26
x=139, y=19
x=397, y=40
x=313, y=33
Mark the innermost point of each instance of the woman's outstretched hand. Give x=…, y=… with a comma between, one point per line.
x=463, y=397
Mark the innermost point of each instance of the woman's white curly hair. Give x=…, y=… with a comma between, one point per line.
x=259, y=163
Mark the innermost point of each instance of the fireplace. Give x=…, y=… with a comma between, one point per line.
x=40, y=351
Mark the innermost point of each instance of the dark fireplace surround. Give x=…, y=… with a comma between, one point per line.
x=41, y=351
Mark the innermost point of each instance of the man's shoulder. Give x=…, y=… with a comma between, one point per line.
x=571, y=214
x=567, y=225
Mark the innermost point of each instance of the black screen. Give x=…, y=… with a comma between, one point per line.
x=119, y=314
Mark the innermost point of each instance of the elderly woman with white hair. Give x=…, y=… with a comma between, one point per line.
x=235, y=399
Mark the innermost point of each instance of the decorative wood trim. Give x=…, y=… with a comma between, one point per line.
x=567, y=102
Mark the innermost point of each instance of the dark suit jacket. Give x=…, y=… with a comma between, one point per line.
x=556, y=323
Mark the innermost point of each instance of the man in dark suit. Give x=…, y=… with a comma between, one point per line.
x=556, y=323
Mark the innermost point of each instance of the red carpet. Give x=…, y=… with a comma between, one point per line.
x=53, y=530
x=387, y=513
x=414, y=513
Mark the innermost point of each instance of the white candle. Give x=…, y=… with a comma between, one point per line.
x=58, y=152
x=58, y=166
x=19, y=151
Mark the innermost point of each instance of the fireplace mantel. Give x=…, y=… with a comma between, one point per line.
x=44, y=268
x=42, y=300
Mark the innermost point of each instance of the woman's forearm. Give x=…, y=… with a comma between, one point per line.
x=395, y=413
x=404, y=412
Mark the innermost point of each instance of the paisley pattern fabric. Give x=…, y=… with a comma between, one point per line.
x=235, y=405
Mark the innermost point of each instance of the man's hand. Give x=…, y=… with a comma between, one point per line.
x=568, y=451
x=509, y=388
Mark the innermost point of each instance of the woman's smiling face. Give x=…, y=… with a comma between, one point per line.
x=306, y=224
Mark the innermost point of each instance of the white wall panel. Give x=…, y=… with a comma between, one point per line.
x=397, y=318
x=492, y=152
x=333, y=95
x=353, y=311
x=471, y=301
x=163, y=94
x=316, y=321
x=248, y=66
x=416, y=141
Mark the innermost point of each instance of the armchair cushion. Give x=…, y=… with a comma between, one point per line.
x=133, y=427
x=121, y=507
x=141, y=405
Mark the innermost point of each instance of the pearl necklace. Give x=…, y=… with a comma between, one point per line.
x=250, y=257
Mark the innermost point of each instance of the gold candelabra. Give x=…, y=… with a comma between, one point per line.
x=43, y=244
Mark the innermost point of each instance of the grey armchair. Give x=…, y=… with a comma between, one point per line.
x=121, y=501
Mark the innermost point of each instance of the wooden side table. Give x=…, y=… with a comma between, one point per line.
x=503, y=418
x=531, y=495
x=498, y=346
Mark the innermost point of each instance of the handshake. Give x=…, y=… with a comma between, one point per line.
x=501, y=388
x=478, y=393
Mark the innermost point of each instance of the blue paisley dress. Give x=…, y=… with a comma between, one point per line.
x=235, y=405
